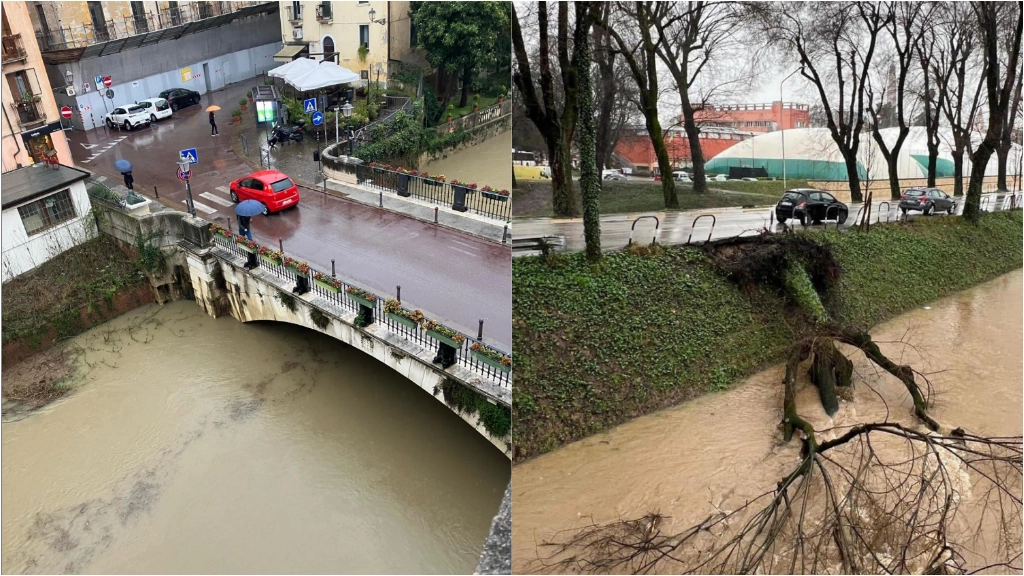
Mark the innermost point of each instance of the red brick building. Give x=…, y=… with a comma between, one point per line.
x=758, y=118
x=634, y=147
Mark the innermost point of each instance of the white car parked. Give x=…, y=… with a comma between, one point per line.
x=719, y=178
x=127, y=116
x=680, y=176
x=612, y=175
x=158, y=108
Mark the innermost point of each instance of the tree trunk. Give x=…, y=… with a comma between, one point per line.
x=563, y=197
x=853, y=176
x=467, y=79
x=958, y=170
x=894, y=177
x=700, y=183
x=979, y=160
x=933, y=158
x=829, y=370
x=590, y=183
x=1002, y=154
x=668, y=185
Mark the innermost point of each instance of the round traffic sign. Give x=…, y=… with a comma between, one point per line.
x=318, y=118
x=110, y=94
x=66, y=113
x=184, y=176
x=107, y=81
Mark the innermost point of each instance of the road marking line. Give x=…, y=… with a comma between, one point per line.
x=216, y=199
x=200, y=206
x=101, y=178
x=224, y=189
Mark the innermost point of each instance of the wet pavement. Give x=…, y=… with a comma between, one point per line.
x=457, y=278
x=682, y=226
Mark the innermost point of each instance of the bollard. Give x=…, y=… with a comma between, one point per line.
x=280, y=245
x=435, y=214
x=381, y=198
x=399, y=290
x=504, y=234
x=480, y=331
x=155, y=193
x=332, y=268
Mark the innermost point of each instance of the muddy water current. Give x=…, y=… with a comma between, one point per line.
x=200, y=445
x=724, y=448
x=487, y=163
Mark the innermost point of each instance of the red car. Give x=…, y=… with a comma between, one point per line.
x=274, y=189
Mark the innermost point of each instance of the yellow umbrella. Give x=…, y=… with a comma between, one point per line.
x=212, y=108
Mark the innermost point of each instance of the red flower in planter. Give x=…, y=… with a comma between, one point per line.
x=327, y=280
x=486, y=189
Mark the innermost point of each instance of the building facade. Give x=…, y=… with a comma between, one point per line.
x=758, y=118
x=338, y=31
x=32, y=129
x=634, y=148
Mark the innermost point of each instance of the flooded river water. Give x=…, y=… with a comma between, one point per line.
x=724, y=448
x=201, y=445
x=487, y=163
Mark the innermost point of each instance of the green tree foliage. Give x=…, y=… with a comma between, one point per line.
x=461, y=36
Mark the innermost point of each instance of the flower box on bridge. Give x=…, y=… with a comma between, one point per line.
x=491, y=357
x=362, y=297
x=444, y=334
x=332, y=285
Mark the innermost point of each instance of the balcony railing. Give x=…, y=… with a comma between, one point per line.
x=294, y=15
x=323, y=12
x=13, y=49
x=29, y=113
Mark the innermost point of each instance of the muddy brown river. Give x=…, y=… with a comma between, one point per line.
x=486, y=163
x=200, y=445
x=673, y=462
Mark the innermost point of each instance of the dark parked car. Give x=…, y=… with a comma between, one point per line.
x=927, y=200
x=808, y=204
x=180, y=97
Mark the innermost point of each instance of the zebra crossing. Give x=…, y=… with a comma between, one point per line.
x=222, y=199
x=113, y=143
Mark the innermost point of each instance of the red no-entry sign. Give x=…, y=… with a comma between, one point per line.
x=107, y=81
x=66, y=113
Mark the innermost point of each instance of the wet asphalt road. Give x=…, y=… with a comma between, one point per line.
x=457, y=278
x=677, y=227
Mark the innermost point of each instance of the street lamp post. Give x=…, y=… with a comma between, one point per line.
x=185, y=168
x=782, y=103
x=347, y=111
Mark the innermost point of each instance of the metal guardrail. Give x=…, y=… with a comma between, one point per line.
x=418, y=335
x=487, y=204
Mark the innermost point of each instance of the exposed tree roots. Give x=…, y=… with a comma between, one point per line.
x=878, y=498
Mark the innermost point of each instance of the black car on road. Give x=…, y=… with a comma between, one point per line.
x=927, y=200
x=810, y=205
x=180, y=97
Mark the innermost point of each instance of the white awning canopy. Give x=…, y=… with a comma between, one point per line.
x=295, y=67
x=320, y=75
x=289, y=52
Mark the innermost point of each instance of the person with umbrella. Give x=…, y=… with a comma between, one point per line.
x=125, y=168
x=213, y=121
x=245, y=211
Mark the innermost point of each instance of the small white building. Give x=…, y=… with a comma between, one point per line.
x=46, y=211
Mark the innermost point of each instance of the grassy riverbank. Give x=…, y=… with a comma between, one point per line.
x=533, y=198
x=597, y=347
x=70, y=293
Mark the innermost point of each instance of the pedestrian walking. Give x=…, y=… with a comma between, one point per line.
x=244, y=228
x=213, y=125
x=129, y=180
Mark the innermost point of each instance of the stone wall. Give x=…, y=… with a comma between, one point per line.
x=476, y=136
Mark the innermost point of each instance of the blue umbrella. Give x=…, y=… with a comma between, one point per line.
x=122, y=165
x=250, y=208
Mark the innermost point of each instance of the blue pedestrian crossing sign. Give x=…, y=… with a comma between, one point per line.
x=309, y=105
x=189, y=154
x=318, y=118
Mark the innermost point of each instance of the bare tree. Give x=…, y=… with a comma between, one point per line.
x=555, y=120
x=902, y=35
x=956, y=68
x=835, y=44
x=629, y=25
x=1000, y=26
x=1006, y=137
x=931, y=94
x=690, y=36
